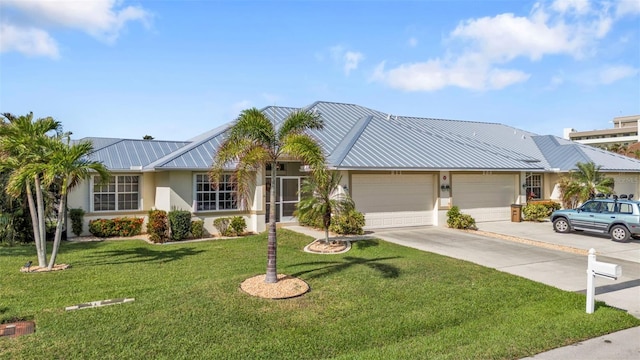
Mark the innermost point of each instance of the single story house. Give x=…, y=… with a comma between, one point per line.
x=400, y=171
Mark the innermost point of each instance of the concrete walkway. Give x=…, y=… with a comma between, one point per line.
x=536, y=252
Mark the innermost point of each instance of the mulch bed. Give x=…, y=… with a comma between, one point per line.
x=286, y=287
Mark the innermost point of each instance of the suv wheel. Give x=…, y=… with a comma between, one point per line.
x=620, y=233
x=561, y=225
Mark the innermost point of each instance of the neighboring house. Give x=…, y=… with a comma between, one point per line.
x=624, y=133
x=400, y=171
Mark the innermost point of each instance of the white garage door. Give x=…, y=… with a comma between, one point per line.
x=394, y=200
x=484, y=197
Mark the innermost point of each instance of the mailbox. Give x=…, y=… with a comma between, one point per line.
x=607, y=270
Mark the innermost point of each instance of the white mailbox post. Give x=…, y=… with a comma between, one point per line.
x=602, y=269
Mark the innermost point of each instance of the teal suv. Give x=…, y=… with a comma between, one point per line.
x=619, y=218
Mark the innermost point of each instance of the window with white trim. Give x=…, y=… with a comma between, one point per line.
x=120, y=193
x=533, y=186
x=214, y=198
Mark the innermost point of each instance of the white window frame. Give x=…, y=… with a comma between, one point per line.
x=119, y=188
x=534, y=181
x=225, y=195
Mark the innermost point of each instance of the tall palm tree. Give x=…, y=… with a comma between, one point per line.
x=254, y=142
x=68, y=166
x=24, y=149
x=322, y=197
x=586, y=181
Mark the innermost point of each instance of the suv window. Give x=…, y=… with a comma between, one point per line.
x=591, y=206
x=625, y=209
x=608, y=207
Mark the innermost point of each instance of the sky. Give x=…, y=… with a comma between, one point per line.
x=175, y=69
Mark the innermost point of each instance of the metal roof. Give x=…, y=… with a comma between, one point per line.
x=127, y=154
x=356, y=137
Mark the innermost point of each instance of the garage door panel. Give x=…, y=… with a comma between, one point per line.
x=394, y=200
x=484, y=197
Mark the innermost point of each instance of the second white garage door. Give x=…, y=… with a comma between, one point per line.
x=394, y=200
x=484, y=197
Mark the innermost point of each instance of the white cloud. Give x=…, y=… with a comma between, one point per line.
x=351, y=61
x=412, y=42
x=627, y=7
x=480, y=49
x=102, y=19
x=612, y=74
x=347, y=59
x=28, y=41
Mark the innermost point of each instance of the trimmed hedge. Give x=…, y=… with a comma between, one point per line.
x=77, y=216
x=180, y=224
x=230, y=226
x=197, y=229
x=539, y=210
x=122, y=227
x=157, y=227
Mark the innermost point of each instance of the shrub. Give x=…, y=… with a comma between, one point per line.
x=222, y=225
x=348, y=223
x=197, y=229
x=180, y=224
x=77, y=216
x=458, y=220
x=238, y=225
x=306, y=219
x=157, y=227
x=122, y=227
x=551, y=206
x=535, y=212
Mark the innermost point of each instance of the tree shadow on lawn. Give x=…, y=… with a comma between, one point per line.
x=364, y=243
x=140, y=254
x=327, y=268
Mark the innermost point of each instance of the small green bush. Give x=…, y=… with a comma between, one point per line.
x=180, y=224
x=122, y=227
x=157, y=227
x=238, y=225
x=305, y=219
x=77, y=217
x=348, y=223
x=458, y=220
x=551, y=206
x=197, y=229
x=535, y=212
x=222, y=225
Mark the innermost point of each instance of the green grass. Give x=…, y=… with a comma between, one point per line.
x=377, y=301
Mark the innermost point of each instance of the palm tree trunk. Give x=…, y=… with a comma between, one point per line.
x=59, y=223
x=42, y=261
x=41, y=221
x=272, y=274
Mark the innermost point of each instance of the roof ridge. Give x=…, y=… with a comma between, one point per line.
x=341, y=151
x=167, y=158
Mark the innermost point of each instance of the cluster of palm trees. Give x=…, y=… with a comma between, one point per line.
x=39, y=163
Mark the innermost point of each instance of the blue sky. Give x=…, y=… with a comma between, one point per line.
x=175, y=69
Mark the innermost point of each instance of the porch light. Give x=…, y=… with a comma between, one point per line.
x=445, y=187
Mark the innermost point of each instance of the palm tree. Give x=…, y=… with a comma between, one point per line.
x=254, y=142
x=322, y=197
x=24, y=149
x=68, y=166
x=585, y=182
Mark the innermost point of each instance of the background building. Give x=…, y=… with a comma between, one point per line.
x=624, y=133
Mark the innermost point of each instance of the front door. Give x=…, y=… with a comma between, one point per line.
x=287, y=196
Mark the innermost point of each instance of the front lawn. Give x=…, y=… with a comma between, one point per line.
x=377, y=301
